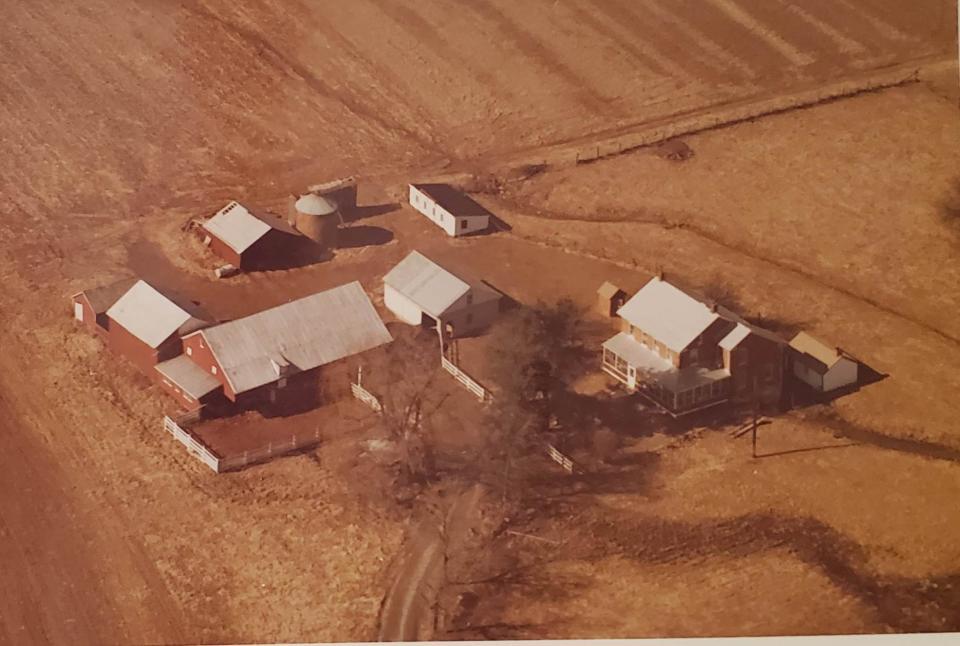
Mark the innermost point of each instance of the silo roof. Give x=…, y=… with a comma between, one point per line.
x=313, y=204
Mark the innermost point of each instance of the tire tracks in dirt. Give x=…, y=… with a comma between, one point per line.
x=284, y=62
x=408, y=610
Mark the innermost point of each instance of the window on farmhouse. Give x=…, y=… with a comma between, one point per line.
x=189, y=352
x=213, y=369
x=463, y=224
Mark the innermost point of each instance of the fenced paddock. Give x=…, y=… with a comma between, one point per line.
x=468, y=382
x=221, y=464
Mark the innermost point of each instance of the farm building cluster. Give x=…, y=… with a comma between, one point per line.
x=687, y=355
x=682, y=353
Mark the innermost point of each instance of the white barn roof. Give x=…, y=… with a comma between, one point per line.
x=306, y=333
x=236, y=227
x=150, y=316
x=430, y=286
x=667, y=314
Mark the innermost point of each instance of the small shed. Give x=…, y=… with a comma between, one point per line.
x=610, y=298
x=421, y=292
x=247, y=240
x=823, y=367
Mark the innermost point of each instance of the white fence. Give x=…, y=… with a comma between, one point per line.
x=194, y=447
x=366, y=397
x=560, y=458
x=238, y=461
x=271, y=450
x=469, y=382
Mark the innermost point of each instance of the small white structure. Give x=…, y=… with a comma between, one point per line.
x=421, y=292
x=450, y=209
x=822, y=367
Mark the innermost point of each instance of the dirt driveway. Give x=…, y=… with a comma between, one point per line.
x=409, y=608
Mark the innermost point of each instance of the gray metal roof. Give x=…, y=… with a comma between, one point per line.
x=430, y=286
x=313, y=204
x=236, y=226
x=150, y=316
x=306, y=333
x=668, y=314
x=191, y=378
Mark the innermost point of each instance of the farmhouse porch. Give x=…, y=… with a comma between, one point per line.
x=678, y=390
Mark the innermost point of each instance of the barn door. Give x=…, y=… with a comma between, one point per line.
x=78, y=311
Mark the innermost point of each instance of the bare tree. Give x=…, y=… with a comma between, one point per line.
x=407, y=382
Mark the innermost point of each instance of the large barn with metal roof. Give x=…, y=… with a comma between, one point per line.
x=256, y=357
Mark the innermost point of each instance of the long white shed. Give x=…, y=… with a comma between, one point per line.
x=451, y=210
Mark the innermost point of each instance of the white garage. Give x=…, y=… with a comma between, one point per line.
x=821, y=366
x=420, y=292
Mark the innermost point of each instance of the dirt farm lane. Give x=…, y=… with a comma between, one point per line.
x=408, y=607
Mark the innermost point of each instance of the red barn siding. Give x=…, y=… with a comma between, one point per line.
x=122, y=342
x=199, y=352
x=222, y=249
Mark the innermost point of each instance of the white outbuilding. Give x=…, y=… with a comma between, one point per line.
x=451, y=210
x=821, y=366
x=421, y=292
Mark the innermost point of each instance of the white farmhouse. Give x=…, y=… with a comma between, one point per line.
x=822, y=367
x=450, y=209
x=421, y=292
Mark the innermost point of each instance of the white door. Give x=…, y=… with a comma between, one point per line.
x=631, y=377
x=78, y=311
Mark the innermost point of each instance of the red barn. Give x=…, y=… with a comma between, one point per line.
x=249, y=241
x=303, y=342
x=146, y=326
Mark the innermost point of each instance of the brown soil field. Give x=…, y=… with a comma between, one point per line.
x=122, y=120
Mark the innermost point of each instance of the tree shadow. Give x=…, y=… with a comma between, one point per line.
x=906, y=604
x=863, y=435
x=363, y=236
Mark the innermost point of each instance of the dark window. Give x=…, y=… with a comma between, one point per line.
x=463, y=224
